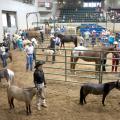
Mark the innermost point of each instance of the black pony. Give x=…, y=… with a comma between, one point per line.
x=97, y=89
x=68, y=38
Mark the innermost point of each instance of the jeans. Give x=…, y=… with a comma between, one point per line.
x=40, y=96
x=29, y=63
x=4, y=61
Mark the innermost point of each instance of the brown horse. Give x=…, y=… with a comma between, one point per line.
x=90, y=55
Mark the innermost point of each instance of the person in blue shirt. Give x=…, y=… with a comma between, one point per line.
x=111, y=39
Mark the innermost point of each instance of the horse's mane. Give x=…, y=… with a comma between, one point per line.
x=28, y=89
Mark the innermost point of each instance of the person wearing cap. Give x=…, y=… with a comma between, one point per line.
x=29, y=49
x=40, y=84
x=115, y=58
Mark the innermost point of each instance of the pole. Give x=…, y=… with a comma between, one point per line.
x=114, y=26
x=106, y=20
x=54, y=22
x=27, y=20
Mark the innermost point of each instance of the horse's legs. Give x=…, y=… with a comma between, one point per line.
x=9, y=101
x=81, y=95
x=103, y=99
x=63, y=45
x=84, y=98
x=75, y=42
x=12, y=103
x=74, y=64
x=73, y=60
x=29, y=109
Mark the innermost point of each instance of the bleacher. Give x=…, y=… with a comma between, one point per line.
x=90, y=28
x=80, y=15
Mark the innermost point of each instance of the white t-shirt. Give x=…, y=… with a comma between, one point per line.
x=2, y=50
x=29, y=49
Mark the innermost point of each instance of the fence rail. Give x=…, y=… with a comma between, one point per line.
x=61, y=70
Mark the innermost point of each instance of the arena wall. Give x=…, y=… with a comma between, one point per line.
x=21, y=9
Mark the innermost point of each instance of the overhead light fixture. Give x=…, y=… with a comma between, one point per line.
x=79, y=2
x=64, y=2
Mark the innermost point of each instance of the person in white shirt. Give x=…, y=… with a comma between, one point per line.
x=3, y=55
x=57, y=43
x=29, y=49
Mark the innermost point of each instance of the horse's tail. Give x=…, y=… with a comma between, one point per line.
x=81, y=95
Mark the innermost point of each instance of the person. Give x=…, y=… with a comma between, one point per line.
x=119, y=43
x=57, y=43
x=86, y=37
x=34, y=43
x=111, y=39
x=115, y=58
x=29, y=49
x=42, y=36
x=40, y=84
x=20, y=43
x=52, y=46
x=3, y=54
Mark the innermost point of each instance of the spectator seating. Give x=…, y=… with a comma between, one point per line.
x=80, y=15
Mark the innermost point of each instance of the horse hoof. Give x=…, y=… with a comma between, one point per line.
x=81, y=103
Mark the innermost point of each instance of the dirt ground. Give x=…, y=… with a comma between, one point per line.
x=62, y=99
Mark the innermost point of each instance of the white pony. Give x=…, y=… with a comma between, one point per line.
x=7, y=74
x=48, y=53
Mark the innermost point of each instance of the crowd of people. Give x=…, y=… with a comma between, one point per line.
x=21, y=42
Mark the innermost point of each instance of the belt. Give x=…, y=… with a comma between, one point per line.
x=29, y=54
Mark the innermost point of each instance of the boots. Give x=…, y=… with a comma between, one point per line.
x=44, y=105
x=38, y=107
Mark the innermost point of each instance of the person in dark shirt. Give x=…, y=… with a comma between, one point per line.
x=40, y=84
x=52, y=47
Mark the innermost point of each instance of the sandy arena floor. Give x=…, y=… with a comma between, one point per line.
x=62, y=99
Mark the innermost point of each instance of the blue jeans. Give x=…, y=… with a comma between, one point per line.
x=29, y=63
x=4, y=61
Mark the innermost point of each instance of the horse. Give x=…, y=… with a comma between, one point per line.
x=68, y=38
x=7, y=74
x=22, y=94
x=90, y=55
x=48, y=53
x=97, y=89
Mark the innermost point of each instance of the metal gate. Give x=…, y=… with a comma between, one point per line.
x=85, y=71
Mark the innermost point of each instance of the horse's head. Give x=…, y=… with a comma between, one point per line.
x=111, y=49
x=58, y=35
